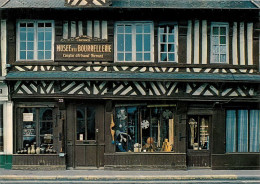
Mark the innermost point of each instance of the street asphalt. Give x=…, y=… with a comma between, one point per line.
x=113, y=176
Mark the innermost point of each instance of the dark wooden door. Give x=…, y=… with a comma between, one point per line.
x=198, y=143
x=85, y=135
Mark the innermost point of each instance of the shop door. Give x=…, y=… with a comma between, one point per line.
x=198, y=143
x=83, y=141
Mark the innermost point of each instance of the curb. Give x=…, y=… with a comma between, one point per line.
x=132, y=177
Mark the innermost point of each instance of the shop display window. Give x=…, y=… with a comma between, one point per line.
x=242, y=130
x=37, y=130
x=144, y=129
x=1, y=129
x=198, y=132
x=85, y=123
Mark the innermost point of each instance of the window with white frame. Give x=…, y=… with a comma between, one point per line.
x=219, y=43
x=35, y=40
x=167, y=43
x=134, y=41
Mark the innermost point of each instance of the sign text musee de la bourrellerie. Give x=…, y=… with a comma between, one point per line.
x=83, y=49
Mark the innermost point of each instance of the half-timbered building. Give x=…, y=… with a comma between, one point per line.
x=138, y=84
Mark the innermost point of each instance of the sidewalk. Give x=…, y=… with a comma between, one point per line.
x=130, y=175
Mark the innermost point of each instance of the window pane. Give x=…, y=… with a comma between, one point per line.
x=163, y=48
x=222, y=40
x=139, y=57
x=29, y=55
x=170, y=47
x=163, y=57
x=222, y=58
x=139, y=28
x=29, y=127
x=120, y=29
x=215, y=31
x=128, y=57
x=22, y=55
x=163, y=38
x=162, y=30
x=23, y=46
x=30, y=46
x=254, y=130
x=215, y=40
x=30, y=36
x=120, y=57
x=147, y=28
x=40, y=54
x=91, y=128
x=223, y=49
x=222, y=31
x=171, y=57
x=215, y=49
x=171, y=38
x=22, y=36
x=215, y=58
x=139, y=42
x=231, y=130
x=47, y=54
x=242, y=131
x=147, y=46
x=40, y=45
x=41, y=36
x=128, y=42
x=40, y=25
x=47, y=45
x=147, y=57
x=48, y=35
x=120, y=42
x=171, y=29
x=81, y=126
x=128, y=29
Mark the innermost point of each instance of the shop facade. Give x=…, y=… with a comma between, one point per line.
x=175, y=91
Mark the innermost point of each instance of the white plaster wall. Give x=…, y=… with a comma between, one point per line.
x=8, y=127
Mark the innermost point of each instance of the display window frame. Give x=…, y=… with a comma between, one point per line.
x=45, y=137
x=144, y=122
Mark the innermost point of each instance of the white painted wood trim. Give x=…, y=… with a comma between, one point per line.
x=3, y=47
x=250, y=43
x=8, y=127
x=234, y=44
x=73, y=29
x=89, y=28
x=189, y=42
x=96, y=29
x=65, y=30
x=242, y=43
x=204, y=42
x=80, y=27
x=104, y=30
x=196, y=41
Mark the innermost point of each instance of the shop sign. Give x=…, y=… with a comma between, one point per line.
x=83, y=48
x=81, y=137
x=27, y=116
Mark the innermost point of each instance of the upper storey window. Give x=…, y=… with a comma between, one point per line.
x=134, y=42
x=35, y=40
x=168, y=39
x=219, y=43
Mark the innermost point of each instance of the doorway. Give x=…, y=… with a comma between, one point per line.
x=85, y=136
x=198, y=143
